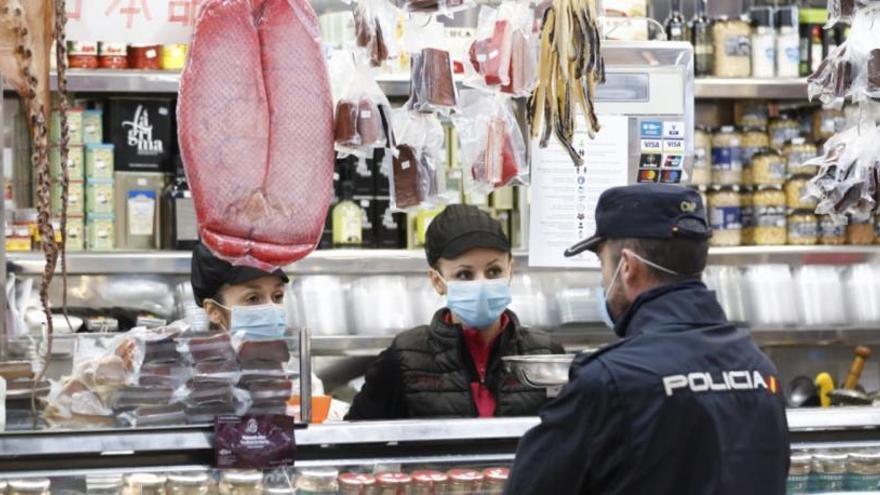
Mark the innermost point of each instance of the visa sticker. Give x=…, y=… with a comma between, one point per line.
x=651, y=129
x=652, y=146
x=673, y=146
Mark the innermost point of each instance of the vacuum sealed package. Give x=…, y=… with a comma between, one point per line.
x=840, y=12
x=217, y=347
x=832, y=82
x=853, y=68
x=432, y=86
x=491, y=141
x=156, y=415
x=374, y=24
x=164, y=375
x=263, y=350
x=442, y=7
x=417, y=175
x=503, y=55
x=362, y=109
x=217, y=371
x=848, y=182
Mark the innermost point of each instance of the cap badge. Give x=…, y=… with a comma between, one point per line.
x=688, y=206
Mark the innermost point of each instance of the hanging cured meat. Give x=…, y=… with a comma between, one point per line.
x=255, y=124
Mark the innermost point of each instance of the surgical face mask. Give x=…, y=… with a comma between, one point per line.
x=602, y=300
x=262, y=322
x=478, y=303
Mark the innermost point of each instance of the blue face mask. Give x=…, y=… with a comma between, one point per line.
x=263, y=322
x=479, y=303
x=602, y=300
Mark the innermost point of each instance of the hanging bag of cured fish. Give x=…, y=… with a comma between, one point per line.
x=417, y=178
x=492, y=146
x=363, y=113
x=374, y=25
x=432, y=86
x=255, y=125
x=503, y=56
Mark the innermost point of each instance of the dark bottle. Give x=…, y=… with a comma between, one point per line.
x=676, y=25
x=701, y=38
x=181, y=229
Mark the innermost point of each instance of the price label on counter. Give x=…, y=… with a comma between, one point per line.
x=254, y=442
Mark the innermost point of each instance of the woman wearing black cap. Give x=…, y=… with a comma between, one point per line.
x=453, y=367
x=239, y=298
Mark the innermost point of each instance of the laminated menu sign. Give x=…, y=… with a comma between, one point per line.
x=254, y=442
x=564, y=197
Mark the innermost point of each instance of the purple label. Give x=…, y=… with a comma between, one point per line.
x=254, y=442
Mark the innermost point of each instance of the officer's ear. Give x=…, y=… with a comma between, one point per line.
x=631, y=272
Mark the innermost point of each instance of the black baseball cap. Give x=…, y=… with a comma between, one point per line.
x=460, y=228
x=647, y=211
x=209, y=273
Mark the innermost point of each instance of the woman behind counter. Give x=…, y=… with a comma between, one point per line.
x=453, y=367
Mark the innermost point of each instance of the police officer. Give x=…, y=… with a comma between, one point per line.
x=685, y=403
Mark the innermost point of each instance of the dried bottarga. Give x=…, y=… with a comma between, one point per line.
x=569, y=69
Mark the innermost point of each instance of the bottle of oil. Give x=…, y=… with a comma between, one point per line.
x=179, y=225
x=348, y=220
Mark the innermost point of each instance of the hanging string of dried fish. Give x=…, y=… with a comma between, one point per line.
x=570, y=67
x=64, y=145
x=25, y=37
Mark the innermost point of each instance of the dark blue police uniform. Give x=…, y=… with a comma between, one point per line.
x=684, y=404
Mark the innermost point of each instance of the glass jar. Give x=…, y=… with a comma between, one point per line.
x=194, y=483
x=31, y=486
x=727, y=162
x=768, y=168
x=241, y=483
x=751, y=113
x=754, y=140
x=108, y=484
x=863, y=472
x=495, y=479
x=357, y=484
x=860, y=232
x=829, y=473
x=803, y=229
x=746, y=197
x=830, y=233
x=394, y=483
x=783, y=130
x=725, y=216
x=426, y=482
x=770, y=227
x=702, y=172
x=464, y=481
x=317, y=481
x=799, y=474
x=144, y=484
x=796, y=197
x=732, y=47
x=827, y=122
x=797, y=152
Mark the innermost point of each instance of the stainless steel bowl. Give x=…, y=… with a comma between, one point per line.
x=540, y=370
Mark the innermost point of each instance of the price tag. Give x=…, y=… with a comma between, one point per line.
x=254, y=442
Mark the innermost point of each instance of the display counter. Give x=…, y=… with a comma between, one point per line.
x=364, y=447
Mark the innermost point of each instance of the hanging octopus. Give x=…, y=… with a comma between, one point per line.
x=27, y=31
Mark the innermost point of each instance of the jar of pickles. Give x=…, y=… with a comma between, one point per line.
x=464, y=481
x=495, y=479
x=798, y=474
x=783, y=130
x=863, y=472
x=770, y=226
x=194, y=483
x=797, y=152
x=746, y=196
x=144, y=484
x=768, y=168
x=751, y=113
x=242, y=483
x=30, y=486
x=830, y=232
x=803, y=228
x=754, y=141
x=860, y=232
x=702, y=172
x=733, y=47
x=727, y=162
x=725, y=216
x=103, y=484
x=827, y=122
x=357, y=484
x=829, y=473
x=317, y=481
x=394, y=483
x=426, y=482
x=796, y=197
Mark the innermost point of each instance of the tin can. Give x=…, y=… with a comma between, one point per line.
x=174, y=56
x=101, y=232
x=112, y=55
x=82, y=55
x=99, y=161
x=75, y=165
x=144, y=57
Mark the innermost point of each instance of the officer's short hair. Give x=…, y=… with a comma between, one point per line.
x=686, y=256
